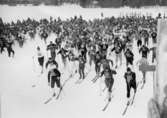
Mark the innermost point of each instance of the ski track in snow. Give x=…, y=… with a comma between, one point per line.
x=21, y=100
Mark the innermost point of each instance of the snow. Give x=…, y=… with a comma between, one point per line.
x=20, y=100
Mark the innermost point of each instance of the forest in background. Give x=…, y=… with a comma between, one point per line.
x=89, y=3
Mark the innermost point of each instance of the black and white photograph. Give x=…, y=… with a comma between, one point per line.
x=83, y=58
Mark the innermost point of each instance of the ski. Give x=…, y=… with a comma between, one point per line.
x=50, y=99
x=104, y=89
x=59, y=92
x=106, y=106
x=63, y=86
x=126, y=108
x=134, y=95
x=94, y=78
x=142, y=86
x=132, y=101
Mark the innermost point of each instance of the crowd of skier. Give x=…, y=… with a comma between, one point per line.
x=87, y=42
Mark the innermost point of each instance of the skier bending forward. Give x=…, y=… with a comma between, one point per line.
x=109, y=80
x=130, y=78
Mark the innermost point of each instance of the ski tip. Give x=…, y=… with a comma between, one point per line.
x=58, y=95
x=46, y=102
x=132, y=102
x=104, y=109
x=142, y=87
x=124, y=113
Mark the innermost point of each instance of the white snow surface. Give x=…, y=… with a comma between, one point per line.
x=17, y=75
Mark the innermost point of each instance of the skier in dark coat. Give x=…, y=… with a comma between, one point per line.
x=129, y=57
x=144, y=50
x=130, y=78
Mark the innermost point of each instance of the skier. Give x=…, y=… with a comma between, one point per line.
x=40, y=56
x=83, y=50
x=63, y=53
x=54, y=77
x=44, y=36
x=153, y=49
x=91, y=54
x=144, y=50
x=109, y=80
x=154, y=37
x=130, y=78
x=52, y=48
x=103, y=49
x=129, y=57
x=97, y=62
x=32, y=34
x=139, y=42
x=73, y=66
x=2, y=44
x=142, y=65
x=118, y=51
x=58, y=42
x=106, y=63
x=10, y=50
x=146, y=37
x=81, y=69
x=71, y=56
x=20, y=39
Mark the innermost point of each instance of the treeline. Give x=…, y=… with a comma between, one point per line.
x=88, y=3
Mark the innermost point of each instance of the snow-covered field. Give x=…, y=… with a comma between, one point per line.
x=17, y=75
